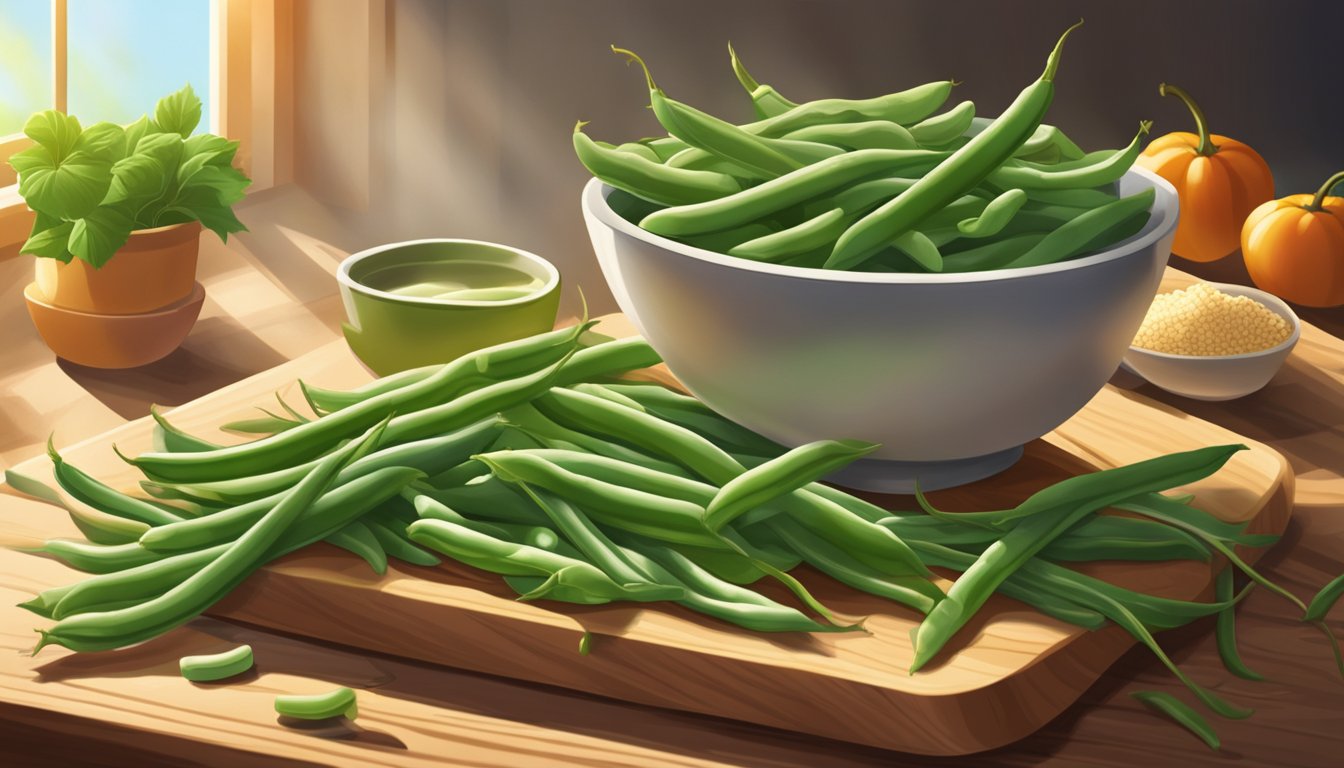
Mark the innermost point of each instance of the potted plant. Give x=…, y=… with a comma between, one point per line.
x=119, y=210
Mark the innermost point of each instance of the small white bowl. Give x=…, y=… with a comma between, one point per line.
x=1218, y=377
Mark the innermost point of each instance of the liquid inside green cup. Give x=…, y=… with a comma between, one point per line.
x=428, y=302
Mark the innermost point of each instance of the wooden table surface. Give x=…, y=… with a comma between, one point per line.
x=252, y=322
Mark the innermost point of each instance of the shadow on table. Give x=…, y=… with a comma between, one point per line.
x=219, y=352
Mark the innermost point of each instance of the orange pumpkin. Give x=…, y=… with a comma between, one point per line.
x=1294, y=247
x=1219, y=181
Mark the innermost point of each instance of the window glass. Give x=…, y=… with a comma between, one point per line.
x=25, y=62
x=124, y=55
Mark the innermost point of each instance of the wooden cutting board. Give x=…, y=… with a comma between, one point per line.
x=1002, y=677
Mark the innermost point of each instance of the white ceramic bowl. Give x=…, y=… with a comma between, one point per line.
x=952, y=373
x=1218, y=377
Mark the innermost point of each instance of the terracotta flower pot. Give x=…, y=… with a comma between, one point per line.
x=156, y=268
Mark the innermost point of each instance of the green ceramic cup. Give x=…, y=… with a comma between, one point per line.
x=424, y=302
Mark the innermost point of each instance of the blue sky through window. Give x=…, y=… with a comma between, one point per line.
x=123, y=56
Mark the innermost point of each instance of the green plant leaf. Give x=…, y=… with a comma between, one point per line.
x=96, y=237
x=49, y=239
x=137, y=178
x=202, y=204
x=135, y=131
x=216, y=150
x=105, y=141
x=179, y=112
x=65, y=187
x=227, y=182
x=54, y=130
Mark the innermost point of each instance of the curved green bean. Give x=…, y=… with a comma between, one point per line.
x=942, y=129
x=652, y=181
x=216, y=666
x=867, y=134
x=995, y=216
x=1107, y=171
x=765, y=100
x=1075, y=236
x=338, y=703
x=904, y=107
x=957, y=175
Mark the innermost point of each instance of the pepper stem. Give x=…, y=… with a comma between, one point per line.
x=1206, y=146
x=1052, y=63
x=1319, y=199
x=632, y=56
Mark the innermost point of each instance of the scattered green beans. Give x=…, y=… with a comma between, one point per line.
x=216, y=666
x=338, y=703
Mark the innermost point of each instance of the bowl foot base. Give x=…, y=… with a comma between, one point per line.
x=882, y=476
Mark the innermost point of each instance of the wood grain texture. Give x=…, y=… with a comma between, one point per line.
x=1004, y=676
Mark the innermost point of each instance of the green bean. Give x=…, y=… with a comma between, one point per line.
x=630, y=475
x=777, y=194
x=919, y=247
x=1071, y=238
x=664, y=146
x=391, y=536
x=697, y=159
x=725, y=240
x=532, y=421
x=429, y=508
x=98, y=527
x=492, y=499
x=360, y=493
x=689, y=412
x=1047, y=137
x=1106, y=171
x=718, y=137
x=642, y=150
x=169, y=438
x=44, y=603
x=216, y=666
x=633, y=510
x=97, y=558
x=330, y=400
x=992, y=255
x=813, y=233
x=905, y=107
x=1226, y=630
x=1325, y=600
x=357, y=539
x=910, y=591
x=942, y=129
x=868, y=134
x=1042, y=518
x=1091, y=158
x=307, y=440
x=432, y=456
x=650, y=180
x=564, y=577
x=996, y=215
x=956, y=176
x=781, y=476
x=99, y=496
x=1077, y=198
x=712, y=463
x=722, y=600
x=321, y=706
x=106, y=630
x=765, y=100
x=1181, y=713
x=268, y=424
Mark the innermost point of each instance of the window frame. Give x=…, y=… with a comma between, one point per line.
x=251, y=84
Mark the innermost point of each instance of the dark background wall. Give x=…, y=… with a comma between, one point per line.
x=484, y=93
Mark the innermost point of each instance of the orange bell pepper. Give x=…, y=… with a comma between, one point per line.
x=1294, y=247
x=1219, y=181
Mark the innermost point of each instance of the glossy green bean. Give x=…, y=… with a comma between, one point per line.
x=689, y=412
x=765, y=100
x=1042, y=518
x=114, y=629
x=98, y=527
x=97, y=558
x=777, y=194
x=551, y=434
x=592, y=543
x=358, y=540
x=1076, y=198
x=360, y=493
x=169, y=438
x=321, y=706
x=781, y=476
x=1071, y=238
x=960, y=173
x=868, y=134
x=637, y=148
x=910, y=591
x=420, y=402
x=995, y=216
x=492, y=500
x=992, y=255
x=1226, y=628
x=216, y=666
x=942, y=129
x=813, y=233
x=630, y=475
x=904, y=107
x=1181, y=713
x=650, y=180
x=1048, y=137
x=392, y=537
x=1106, y=171
x=330, y=400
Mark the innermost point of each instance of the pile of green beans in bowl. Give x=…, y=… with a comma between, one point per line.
x=541, y=461
x=884, y=184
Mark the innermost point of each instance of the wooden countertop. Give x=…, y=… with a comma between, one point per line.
x=252, y=322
